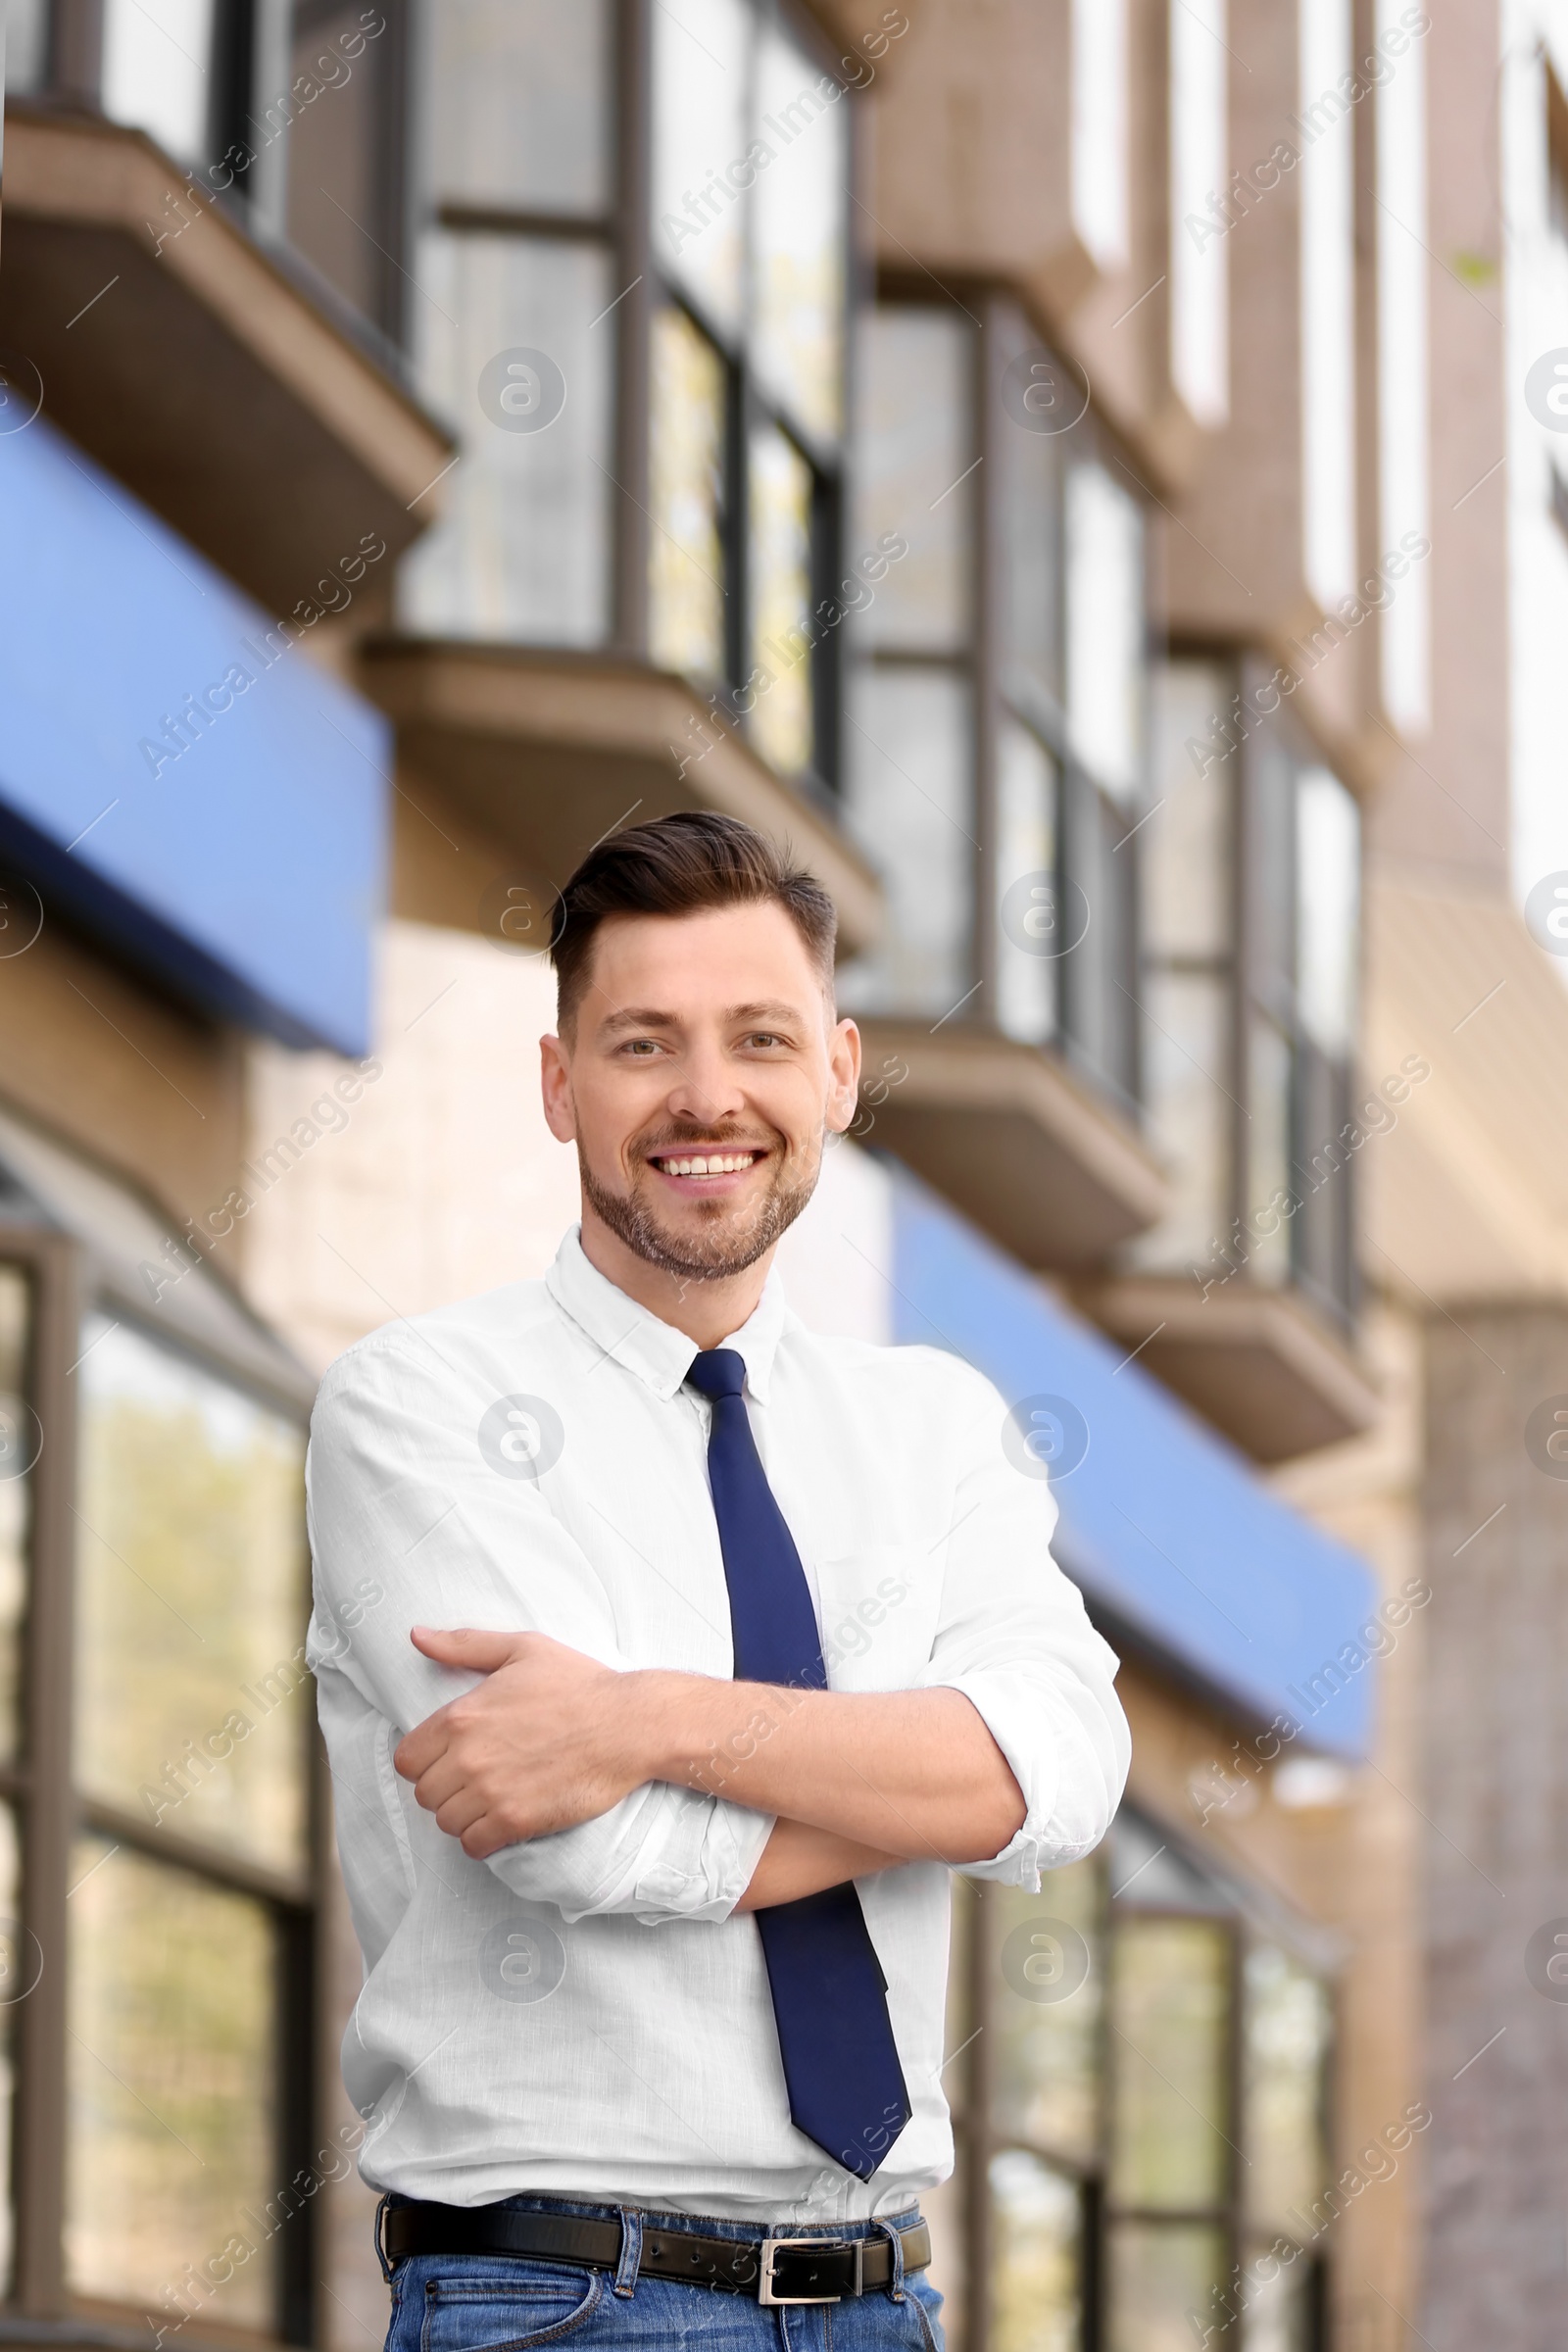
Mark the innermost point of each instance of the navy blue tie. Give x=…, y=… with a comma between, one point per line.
x=841, y=2063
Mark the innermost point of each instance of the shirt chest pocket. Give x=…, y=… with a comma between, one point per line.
x=877, y=1610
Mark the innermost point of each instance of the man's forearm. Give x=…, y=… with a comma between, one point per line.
x=797, y=1860
x=910, y=1774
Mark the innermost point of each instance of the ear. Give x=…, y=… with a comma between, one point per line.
x=844, y=1076
x=554, y=1086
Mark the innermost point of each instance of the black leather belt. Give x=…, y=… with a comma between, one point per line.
x=775, y=2269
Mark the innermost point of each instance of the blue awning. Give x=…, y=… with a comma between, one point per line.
x=176, y=774
x=1177, y=1545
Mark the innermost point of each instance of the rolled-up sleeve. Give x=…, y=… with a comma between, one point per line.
x=408, y=1527
x=1014, y=1636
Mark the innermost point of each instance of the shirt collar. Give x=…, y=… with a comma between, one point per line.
x=656, y=1353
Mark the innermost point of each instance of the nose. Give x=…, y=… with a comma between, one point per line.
x=706, y=1089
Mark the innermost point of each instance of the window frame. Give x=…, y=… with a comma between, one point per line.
x=1081, y=799
x=66, y=1287
x=979, y=2133
x=1327, y=1218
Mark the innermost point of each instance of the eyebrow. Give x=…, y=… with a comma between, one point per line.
x=635, y=1016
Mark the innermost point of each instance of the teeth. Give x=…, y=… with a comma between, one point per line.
x=715, y=1163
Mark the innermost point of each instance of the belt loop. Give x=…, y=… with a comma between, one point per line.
x=380, y=2247
x=895, y=2241
x=631, y=2251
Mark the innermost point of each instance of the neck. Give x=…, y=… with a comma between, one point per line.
x=706, y=1312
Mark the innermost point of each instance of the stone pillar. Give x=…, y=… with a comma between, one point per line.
x=1495, y=1799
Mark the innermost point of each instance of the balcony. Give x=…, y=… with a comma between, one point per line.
x=1260, y=1364
x=550, y=751
x=177, y=354
x=1036, y=1158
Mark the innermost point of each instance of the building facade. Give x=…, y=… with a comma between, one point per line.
x=1041, y=460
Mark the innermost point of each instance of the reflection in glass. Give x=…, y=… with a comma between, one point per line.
x=1047, y=2062
x=157, y=57
x=1031, y=524
x=686, y=560
x=1328, y=909
x=1270, y=1192
x=1287, y=2039
x=780, y=722
x=1185, y=1064
x=27, y=46
x=1187, y=837
x=1036, y=2277
x=15, y=1501
x=519, y=103
x=1104, y=543
x=915, y=439
x=18, y=1965
x=1026, y=844
x=1278, y=2317
x=522, y=549
x=1162, y=2273
x=799, y=235
x=191, y=1701
x=1170, y=2003
x=171, y=2087
x=910, y=806
x=703, y=163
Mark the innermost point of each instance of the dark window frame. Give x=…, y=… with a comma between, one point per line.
x=52, y=1813
x=1081, y=800
x=978, y=2134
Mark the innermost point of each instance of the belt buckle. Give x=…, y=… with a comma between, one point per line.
x=772, y=2248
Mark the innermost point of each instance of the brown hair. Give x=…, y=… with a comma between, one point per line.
x=682, y=864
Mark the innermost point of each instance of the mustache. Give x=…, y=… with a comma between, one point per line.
x=723, y=1136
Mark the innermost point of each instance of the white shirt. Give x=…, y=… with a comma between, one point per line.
x=583, y=2015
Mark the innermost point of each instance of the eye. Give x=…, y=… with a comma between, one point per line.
x=642, y=1046
x=763, y=1038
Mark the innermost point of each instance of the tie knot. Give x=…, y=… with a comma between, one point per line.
x=719, y=1372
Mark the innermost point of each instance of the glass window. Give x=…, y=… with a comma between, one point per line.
x=798, y=263
x=1187, y=870
x=780, y=582
x=1162, y=2275
x=27, y=44
x=18, y=1971
x=1328, y=910
x=156, y=59
x=1031, y=526
x=1048, y=2011
x=519, y=112
x=917, y=445
x=192, y=1706
x=910, y=806
x=686, y=623
x=1268, y=1151
x=1026, y=844
x=1037, y=2279
x=1186, y=1054
x=1287, y=2039
x=172, y=2087
x=1171, y=2020
x=703, y=163
x=19, y=1447
x=523, y=549
x=1104, y=602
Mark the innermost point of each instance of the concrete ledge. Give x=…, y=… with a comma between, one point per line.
x=1015, y=1140
x=549, y=751
x=1264, y=1366
x=186, y=362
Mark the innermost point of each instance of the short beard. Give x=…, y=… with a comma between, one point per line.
x=630, y=1218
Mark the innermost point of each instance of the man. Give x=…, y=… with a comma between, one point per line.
x=708, y=1647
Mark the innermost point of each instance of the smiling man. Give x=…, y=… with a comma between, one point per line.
x=708, y=1647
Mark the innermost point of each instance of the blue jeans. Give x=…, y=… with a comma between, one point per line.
x=506, y=2303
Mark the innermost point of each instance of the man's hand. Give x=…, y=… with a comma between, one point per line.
x=549, y=1739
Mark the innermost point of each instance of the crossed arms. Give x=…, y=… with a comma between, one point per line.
x=859, y=1782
